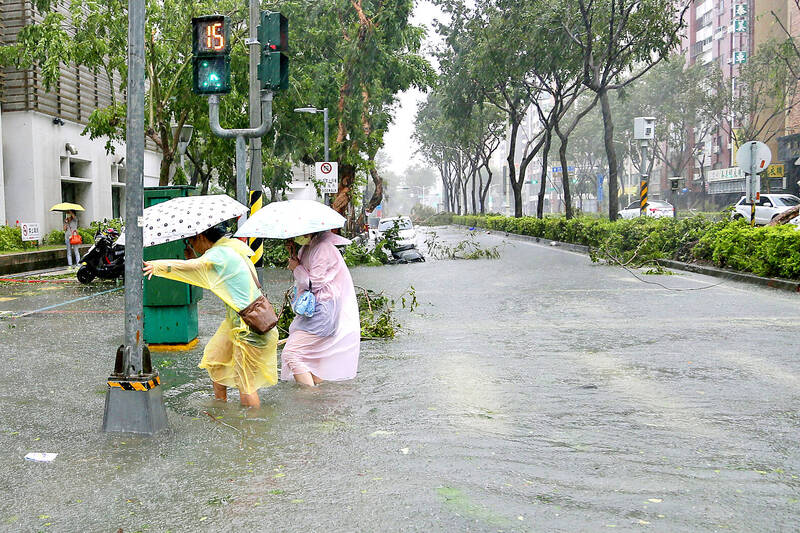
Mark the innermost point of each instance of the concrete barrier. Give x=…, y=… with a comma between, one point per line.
x=35, y=260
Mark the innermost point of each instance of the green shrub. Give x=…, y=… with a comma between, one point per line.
x=765, y=251
x=11, y=239
x=54, y=237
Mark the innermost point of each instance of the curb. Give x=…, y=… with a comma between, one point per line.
x=752, y=279
x=774, y=283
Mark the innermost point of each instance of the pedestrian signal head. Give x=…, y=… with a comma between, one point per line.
x=211, y=70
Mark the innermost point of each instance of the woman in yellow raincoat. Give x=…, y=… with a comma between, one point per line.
x=235, y=356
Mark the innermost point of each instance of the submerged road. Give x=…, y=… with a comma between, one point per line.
x=535, y=392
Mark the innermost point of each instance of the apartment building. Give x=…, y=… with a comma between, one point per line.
x=728, y=32
x=45, y=159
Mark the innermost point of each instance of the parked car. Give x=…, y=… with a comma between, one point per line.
x=406, y=235
x=767, y=207
x=655, y=209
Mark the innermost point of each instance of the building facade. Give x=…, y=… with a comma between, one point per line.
x=729, y=32
x=45, y=157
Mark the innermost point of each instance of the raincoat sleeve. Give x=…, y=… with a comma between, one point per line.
x=193, y=271
x=320, y=268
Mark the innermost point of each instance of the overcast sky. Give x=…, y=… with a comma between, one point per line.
x=398, y=145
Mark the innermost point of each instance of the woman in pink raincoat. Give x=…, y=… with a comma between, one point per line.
x=325, y=346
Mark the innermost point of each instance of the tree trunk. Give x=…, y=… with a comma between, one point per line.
x=517, y=188
x=485, y=189
x=512, y=169
x=543, y=177
x=562, y=153
x=166, y=163
x=611, y=156
x=444, y=173
x=377, y=195
x=474, y=180
x=347, y=176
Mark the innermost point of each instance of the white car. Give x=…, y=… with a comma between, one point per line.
x=406, y=235
x=767, y=207
x=655, y=209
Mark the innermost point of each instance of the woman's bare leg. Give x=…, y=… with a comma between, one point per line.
x=306, y=378
x=249, y=400
x=220, y=392
x=317, y=380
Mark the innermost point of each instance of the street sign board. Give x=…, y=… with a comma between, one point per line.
x=775, y=170
x=753, y=157
x=739, y=57
x=557, y=170
x=30, y=231
x=762, y=159
x=328, y=173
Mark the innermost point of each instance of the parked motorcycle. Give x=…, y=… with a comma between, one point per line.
x=104, y=260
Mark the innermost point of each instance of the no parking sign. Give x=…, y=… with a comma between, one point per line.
x=328, y=173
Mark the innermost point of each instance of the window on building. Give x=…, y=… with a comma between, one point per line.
x=80, y=169
x=704, y=21
x=117, y=202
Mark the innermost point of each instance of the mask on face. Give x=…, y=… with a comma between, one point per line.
x=302, y=240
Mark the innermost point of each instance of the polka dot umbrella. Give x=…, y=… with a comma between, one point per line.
x=179, y=218
x=284, y=220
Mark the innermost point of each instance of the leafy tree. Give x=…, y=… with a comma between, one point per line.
x=765, y=90
x=350, y=56
x=620, y=40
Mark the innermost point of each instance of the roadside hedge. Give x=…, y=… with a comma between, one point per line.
x=764, y=251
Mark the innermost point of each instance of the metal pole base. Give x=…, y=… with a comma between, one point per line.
x=134, y=405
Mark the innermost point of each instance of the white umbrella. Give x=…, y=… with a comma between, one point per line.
x=185, y=217
x=284, y=220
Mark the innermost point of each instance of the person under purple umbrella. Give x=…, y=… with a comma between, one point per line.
x=324, y=346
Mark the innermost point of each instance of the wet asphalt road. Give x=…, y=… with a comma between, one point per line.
x=537, y=392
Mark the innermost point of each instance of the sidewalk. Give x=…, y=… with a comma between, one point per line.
x=27, y=262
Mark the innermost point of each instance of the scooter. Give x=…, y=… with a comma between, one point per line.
x=104, y=260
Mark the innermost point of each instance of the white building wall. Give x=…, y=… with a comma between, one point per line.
x=36, y=163
x=2, y=181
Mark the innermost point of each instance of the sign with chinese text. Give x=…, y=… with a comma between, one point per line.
x=775, y=170
x=328, y=173
x=30, y=231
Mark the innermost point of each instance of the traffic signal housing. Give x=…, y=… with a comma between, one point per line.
x=273, y=34
x=211, y=64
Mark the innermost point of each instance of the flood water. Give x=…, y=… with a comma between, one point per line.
x=536, y=392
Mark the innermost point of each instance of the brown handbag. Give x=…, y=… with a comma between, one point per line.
x=259, y=315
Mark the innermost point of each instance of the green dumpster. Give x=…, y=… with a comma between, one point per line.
x=170, y=307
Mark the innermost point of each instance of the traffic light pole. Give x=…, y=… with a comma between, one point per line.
x=255, y=91
x=240, y=135
x=255, y=200
x=134, y=403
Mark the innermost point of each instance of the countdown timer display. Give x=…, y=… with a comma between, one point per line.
x=211, y=35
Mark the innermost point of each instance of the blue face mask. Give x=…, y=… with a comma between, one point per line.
x=302, y=240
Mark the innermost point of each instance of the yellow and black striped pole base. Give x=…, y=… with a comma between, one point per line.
x=135, y=384
x=643, y=197
x=256, y=243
